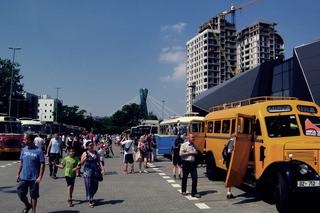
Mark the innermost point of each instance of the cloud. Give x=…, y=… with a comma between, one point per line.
x=177, y=28
x=175, y=56
x=172, y=55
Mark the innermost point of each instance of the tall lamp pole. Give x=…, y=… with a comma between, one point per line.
x=11, y=81
x=58, y=88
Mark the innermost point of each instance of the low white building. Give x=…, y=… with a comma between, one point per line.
x=47, y=108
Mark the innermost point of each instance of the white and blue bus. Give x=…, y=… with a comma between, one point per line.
x=169, y=129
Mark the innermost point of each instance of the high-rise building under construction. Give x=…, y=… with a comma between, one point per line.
x=211, y=57
x=257, y=44
x=218, y=52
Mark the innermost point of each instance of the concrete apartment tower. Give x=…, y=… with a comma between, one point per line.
x=211, y=57
x=47, y=106
x=256, y=44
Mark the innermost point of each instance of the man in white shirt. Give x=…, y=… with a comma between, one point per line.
x=128, y=153
x=188, y=151
x=39, y=142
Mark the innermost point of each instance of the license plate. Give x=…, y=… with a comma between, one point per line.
x=308, y=183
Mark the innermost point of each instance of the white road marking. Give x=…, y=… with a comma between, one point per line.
x=2, y=166
x=166, y=177
x=189, y=197
x=171, y=181
x=151, y=165
x=8, y=164
x=155, y=168
x=202, y=206
x=162, y=174
x=175, y=185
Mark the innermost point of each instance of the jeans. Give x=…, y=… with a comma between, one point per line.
x=189, y=167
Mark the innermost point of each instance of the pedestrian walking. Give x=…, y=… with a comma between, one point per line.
x=101, y=153
x=142, y=146
x=187, y=153
x=70, y=164
x=39, y=142
x=227, y=158
x=128, y=154
x=30, y=172
x=53, y=153
x=92, y=171
x=176, y=159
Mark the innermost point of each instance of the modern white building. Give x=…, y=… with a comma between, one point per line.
x=257, y=44
x=47, y=107
x=211, y=57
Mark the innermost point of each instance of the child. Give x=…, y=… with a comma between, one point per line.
x=70, y=164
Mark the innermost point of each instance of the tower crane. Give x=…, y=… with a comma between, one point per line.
x=233, y=10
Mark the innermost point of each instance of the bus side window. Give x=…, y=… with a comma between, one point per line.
x=210, y=127
x=194, y=127
x=217, y=126
x=257, y=128
x=202, y=126
x=226, y=126
x=233, y=126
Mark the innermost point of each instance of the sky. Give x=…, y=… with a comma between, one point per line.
x=101, y=52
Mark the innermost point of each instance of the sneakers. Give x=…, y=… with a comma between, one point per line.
x=145, y=171
x=26, y=210
x=196, y=195
x=184, y=193
x=230, y=196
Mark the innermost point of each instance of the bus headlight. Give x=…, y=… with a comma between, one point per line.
x=303, y=169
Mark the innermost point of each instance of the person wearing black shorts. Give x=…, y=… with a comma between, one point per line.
x=30, y=172
x=176, y=159
x=128, y=146
x=70, y=164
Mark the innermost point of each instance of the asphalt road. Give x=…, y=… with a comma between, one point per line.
x=156, y=191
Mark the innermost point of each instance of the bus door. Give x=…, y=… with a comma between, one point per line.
x=241, y=152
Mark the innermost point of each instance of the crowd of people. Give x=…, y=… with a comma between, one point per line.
x=82, y=154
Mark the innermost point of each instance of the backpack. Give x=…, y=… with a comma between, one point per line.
x=225, y=153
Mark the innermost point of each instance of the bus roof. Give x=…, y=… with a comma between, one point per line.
x=182, y=119
x=262, y=107
x=30, y=122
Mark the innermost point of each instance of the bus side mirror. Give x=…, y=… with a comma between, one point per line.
x=262, y=156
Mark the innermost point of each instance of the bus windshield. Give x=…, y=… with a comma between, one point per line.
x=10, y=127
x=310, y=125
x=282, y=126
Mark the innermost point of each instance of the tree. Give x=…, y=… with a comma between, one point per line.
x=17, y=87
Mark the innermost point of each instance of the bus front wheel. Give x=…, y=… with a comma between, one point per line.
x=282, y=194
x=210, y=166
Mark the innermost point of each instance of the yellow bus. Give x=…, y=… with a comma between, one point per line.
x=277, y=143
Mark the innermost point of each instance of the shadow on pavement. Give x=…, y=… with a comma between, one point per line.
x=202, y=193
x=5, y=189
x=101, y=202
x=112, y=173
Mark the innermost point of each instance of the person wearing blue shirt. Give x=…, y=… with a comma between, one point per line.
x=30, y=172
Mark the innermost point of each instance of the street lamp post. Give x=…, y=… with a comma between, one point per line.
x=11, y=81
x=58, y=88
x=192, y=87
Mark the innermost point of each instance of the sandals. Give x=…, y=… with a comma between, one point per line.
x=91, y=205
x=70, y=204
